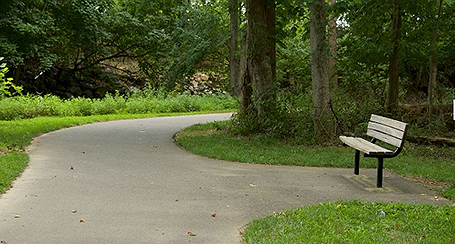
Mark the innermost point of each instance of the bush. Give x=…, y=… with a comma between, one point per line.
x=7, y=88
x=30, y=106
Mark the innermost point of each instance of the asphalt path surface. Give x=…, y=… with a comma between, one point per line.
x=128, y=182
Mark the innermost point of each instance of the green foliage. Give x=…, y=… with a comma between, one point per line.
x=199, y=36
x=80, y=40
x=365, y=45
x=27, y=33
x=356, y=222
x=293, y=56
x=7, y=88
x=31, y=106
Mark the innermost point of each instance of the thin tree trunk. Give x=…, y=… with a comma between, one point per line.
x=432, y=84
x=332, y=27
x=392, y=98
x=234, y=60
x=322, y=116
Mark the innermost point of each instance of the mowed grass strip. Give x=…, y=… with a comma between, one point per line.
x=11, y=166
x=211, y=140
x=356, y=222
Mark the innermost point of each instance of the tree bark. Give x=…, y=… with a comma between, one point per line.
x=234, y=60
x=332, y=27
x=324, y=128
x=392, y=98
x=260, y=57
x=432, y=83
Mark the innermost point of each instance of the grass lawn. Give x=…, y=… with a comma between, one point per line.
x=356, y=222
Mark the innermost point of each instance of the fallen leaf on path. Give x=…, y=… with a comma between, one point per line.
x=17, y=216
x=81, y=221
x=74, y=211
x=191, y=233
x=214, y=215
x=71, y=168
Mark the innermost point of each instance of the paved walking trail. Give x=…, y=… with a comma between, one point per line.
x=127, y=182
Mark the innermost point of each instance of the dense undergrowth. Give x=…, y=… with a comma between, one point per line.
x=141, y=102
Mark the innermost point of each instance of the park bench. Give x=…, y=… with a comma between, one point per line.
x=380, y=128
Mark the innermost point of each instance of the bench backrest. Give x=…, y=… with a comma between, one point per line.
x=387, y=130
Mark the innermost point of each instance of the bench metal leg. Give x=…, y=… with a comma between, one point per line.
x=357, y=162
x=380, y=170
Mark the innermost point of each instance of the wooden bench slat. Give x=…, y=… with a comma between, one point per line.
x=387, y=130
x=365, y=146
x=399, y=134
x=390, y=122
x=386, y=138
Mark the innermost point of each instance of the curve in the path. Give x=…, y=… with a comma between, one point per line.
x=127, y=182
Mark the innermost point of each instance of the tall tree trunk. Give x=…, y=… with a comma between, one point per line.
x=234, y=60
x=324, y=128
x=261, y=57
x=332, y=27
x=392, y=98
x=432, y=84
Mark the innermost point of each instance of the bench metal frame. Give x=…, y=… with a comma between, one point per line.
x=383, y=129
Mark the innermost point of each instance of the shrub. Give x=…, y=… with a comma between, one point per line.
x=30, y=106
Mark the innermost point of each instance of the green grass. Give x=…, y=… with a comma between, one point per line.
x=213, y=140
x=11, y=166
x=144, y=102
x=214, y=143
x=356, y=222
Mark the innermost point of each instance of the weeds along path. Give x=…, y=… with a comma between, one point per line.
x=127, y=182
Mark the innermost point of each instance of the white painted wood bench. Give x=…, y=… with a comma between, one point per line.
x=383, y=129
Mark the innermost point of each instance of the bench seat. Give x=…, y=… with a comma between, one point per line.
x=365, y=146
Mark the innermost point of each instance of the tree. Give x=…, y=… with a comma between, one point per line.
x=322, y=115
x=332, y=30
x=27, y=32
x=432, y=64
x=392, y=98
x=258, y=92
x=234, y=58
x=199, y=41
x=67, y=43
